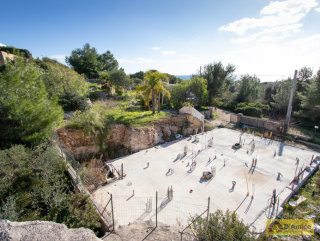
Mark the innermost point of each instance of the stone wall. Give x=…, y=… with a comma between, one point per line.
x=256, y=122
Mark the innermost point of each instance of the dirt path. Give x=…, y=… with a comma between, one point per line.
x=223, y=115
x=223, y=118
x=145, y=231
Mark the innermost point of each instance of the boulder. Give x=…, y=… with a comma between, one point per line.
x=43, y=231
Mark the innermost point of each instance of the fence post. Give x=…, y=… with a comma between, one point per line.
x=112, y=212
x=208, y=212
x=156, y=209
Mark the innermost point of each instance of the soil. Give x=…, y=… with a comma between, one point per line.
x=146, y=231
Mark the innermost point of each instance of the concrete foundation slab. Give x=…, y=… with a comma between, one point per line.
x=190, y=192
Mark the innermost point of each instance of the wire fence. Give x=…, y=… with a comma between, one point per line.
x=159, y=209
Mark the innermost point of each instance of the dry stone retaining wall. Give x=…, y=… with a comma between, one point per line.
x=256, y=122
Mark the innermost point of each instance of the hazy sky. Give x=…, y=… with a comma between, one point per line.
x=266, y=38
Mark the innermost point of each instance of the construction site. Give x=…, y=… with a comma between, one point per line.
x=219, y=169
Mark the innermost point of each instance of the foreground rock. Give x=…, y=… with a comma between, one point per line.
x=42, y=231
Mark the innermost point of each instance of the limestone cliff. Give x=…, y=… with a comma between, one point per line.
x=130, y=137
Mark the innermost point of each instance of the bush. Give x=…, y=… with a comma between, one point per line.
x=188, y=104
x=59, y=79
x=94, y=96
x=221, y=226
x=214, y=115
x=28, y=115
x=93, y=123
x=35, y=185
x=70, y=101
x=119, y=91
x=252, y=109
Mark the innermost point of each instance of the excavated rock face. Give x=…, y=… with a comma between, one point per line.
x=43, y=231
x=129, y=137
x=75, y=142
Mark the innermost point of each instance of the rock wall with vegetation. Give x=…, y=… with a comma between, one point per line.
x=130, y=137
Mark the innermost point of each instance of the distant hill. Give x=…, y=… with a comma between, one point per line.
x=185, y=77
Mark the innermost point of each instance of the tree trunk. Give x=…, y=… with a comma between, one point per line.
x=159, y=103
x=153, y=102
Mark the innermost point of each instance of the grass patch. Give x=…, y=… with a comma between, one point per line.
x=131, y=116
x=202, y=108
x=214, y=115
x=113, y=112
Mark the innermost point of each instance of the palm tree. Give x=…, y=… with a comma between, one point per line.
x=153, y=86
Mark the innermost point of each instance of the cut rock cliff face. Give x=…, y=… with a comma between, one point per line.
x=43, y=231
x=129, y=137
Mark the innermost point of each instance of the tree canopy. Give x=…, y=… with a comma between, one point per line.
x=119, y=79
x=219, y=79
x=193, y=91
x=153, y=86
x=87, y=61
x=28, y=114
x=248, y=89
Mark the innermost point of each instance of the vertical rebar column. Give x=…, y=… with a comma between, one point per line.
x=156, y=209
x=112, y=212
x=208, y=213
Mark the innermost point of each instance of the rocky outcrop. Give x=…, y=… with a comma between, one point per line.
x=43, y=231
x=130, y=137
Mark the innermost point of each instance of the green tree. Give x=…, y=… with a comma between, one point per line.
x=248, y=89
x=27, y=114
x=65, y=84
x=85, y=61
x=193, y=91
x=311, y=101
x=108, y=62
x=119, y=79
x=280, y=99
x=179, y=95
x=219, y=79
x=137, y=78
x=153, y=86
x=60, y=79
x=139, y=75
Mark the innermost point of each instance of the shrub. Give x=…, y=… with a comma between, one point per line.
x=70, y=101
x=34, y=185
x=93, y=123
x=214, y=115
x=188, y=104
x=27, y=114
x=252, y=109
x=119, y=91
x=221, y=226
